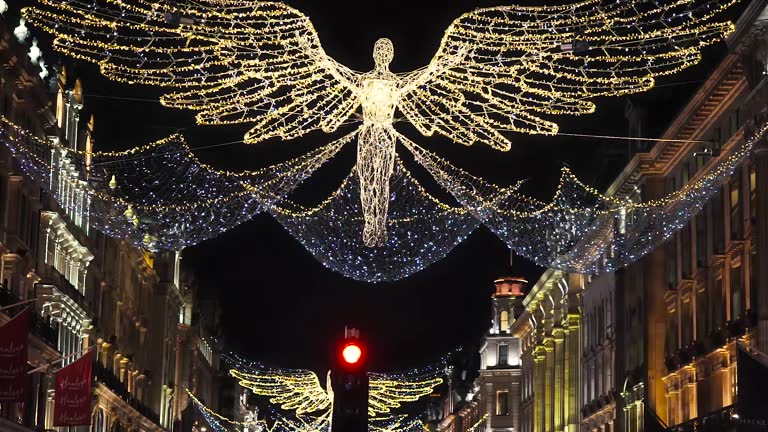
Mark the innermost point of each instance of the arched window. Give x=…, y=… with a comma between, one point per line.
x=504, y=321
x=98, y=422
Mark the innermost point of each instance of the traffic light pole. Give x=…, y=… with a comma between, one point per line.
x=349, y=379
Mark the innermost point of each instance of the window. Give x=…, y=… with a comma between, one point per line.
x=685, y=252
x=737, y=292
x=672, y=342
x=736, y=225
x=99, y=421
x=701, y=239
x=752, y=275
x=22, y=223
x=701, y=312
x=687, y=322
x=672, y=262
x=3, y=194
x=752, y=192
x=504, y=321
x=718, y=224
x=716, y=304
x=502, y=403
x=718, y=138
x=503, y=355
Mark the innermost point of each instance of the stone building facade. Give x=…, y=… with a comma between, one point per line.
x=135, y=308
x=663, y=350
x=598, y=351
x=549, y=329
x=499, y=380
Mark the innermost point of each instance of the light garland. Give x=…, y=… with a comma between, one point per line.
x=153, y=206
x=159, y=196
x=497, y=69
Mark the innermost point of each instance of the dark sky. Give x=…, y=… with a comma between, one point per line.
x=279, y=304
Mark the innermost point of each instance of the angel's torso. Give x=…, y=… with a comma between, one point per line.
x=378, y=100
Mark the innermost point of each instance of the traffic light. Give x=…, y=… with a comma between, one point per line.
x=349, y=379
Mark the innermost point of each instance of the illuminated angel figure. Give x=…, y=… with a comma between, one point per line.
x=497, y=69
x=300, y=391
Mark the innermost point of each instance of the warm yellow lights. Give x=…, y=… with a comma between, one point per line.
x=300, y=391
x=497, y=69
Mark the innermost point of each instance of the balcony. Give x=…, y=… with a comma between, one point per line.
x=106, y=377
x=66, y=288
x=39, y=326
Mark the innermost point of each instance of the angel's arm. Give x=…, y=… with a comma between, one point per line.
x=436, y=67
x=345, y=75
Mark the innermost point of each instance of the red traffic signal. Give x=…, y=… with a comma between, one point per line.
x=351, y=353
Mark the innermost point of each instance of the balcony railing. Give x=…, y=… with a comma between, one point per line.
x=108, y=378
x=66, y=288
x=41, y=327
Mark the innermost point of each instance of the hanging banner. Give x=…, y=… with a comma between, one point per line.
x=14, y=337
x=72, y=400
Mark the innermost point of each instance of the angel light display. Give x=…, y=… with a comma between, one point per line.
x=497, y=69
x=298, y=391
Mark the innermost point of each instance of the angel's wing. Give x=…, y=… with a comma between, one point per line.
x=386, y=392
x=499, y=69
x=297, y=390
x=232, y=61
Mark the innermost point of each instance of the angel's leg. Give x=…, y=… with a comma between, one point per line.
x=375, y=163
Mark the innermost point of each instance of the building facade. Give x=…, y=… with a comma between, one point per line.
x=659, y=337
x=550, y=334
x=499, y=380
x=88, y=291
x=598, y=352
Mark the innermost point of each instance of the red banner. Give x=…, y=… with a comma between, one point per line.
x=72, y=400
x=14, y=338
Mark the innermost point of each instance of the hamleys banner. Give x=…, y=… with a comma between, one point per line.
x=14, y=336
x=72, y=400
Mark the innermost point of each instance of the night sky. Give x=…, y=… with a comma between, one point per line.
x=279, y=304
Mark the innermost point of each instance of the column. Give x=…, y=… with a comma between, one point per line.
x=539, y=355
x=655, y=335
x=179, y=391
x=561, y=391
x=573, y=353
x=549, y=390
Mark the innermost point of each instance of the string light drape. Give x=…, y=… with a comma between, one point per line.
x=578, y=230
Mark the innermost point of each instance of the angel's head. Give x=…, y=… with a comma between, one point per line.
x=383, y=53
